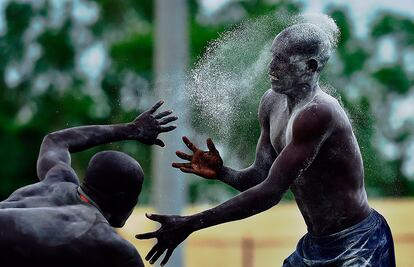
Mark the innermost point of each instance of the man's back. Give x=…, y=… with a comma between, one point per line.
x=330, y=192
x=47, y=223
x=58, y=222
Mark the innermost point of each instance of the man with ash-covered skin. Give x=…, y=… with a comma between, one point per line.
x=306, y=145
x=60, y=222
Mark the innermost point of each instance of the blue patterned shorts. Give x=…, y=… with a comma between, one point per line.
x=368, y=243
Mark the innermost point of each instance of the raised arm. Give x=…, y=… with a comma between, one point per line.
x=57, y=146
x=208, y=164
x=309, y=131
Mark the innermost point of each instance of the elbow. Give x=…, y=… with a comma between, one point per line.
x=273, y=199
x=51, y=139
x=46, y=142
x=48, y=138
x=270, y=196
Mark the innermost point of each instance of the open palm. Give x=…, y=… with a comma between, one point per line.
x=174, y=230
x=206, y=164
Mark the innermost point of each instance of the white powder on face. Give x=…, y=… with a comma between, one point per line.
x=233, y=71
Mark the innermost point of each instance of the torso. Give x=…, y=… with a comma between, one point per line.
x=48, y=223
x=330, y=193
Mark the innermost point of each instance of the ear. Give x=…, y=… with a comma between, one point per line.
x=312, y=65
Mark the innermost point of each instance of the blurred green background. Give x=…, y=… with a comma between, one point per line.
x=72, y=63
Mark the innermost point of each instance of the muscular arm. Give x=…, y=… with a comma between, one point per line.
x=258, y=171
x=209, y=164
x=310, y=130
x=57, y=146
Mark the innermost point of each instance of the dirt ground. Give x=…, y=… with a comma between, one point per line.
x=268, y=238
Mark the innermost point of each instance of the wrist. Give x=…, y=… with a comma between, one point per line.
x=194, y=223
x=221, y=173
x=133, y=131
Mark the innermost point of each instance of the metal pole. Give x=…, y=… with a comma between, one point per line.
x=171, y=61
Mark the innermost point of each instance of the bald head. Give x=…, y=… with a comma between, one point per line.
x=299, y=53
x=304, y=41
x=114, y=180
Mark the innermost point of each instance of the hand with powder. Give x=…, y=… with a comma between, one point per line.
x=207, y=164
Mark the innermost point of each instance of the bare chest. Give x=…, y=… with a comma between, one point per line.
x=278, y=123
x=281, y=121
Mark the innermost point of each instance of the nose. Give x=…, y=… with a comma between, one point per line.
x=272, y=67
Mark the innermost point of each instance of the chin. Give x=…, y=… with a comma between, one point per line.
x=278, y=89
x=117, y=224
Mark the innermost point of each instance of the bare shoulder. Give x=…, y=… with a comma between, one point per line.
x=317, y=118
x=123, y=252
x=40, y=194
x=61, y=173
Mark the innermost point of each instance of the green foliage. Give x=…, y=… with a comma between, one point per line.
x=134, y=53
x=390, y=24
x=200, y=37
x=394, y=78
x=350, y=50
x=16, y=28
x=379, y=176
x=67, y=98
x=59, y=53
x=383, y=177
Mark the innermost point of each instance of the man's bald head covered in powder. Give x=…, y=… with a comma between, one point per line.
x=300, y=52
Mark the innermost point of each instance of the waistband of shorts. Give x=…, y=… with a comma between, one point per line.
x=369, y=220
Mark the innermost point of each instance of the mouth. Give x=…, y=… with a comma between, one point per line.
x=273, y=78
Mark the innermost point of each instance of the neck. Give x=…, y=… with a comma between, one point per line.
x=87, y=198
x=301, y=96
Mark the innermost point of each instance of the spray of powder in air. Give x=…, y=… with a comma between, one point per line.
x=232, y=74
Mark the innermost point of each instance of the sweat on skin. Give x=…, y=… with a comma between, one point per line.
x=306, y=145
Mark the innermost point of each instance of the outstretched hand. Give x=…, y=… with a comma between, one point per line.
x=148, y=126
x=173, y=231
x=206, y=164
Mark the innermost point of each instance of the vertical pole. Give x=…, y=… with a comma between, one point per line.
x=247, y=252
x=171, y=61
